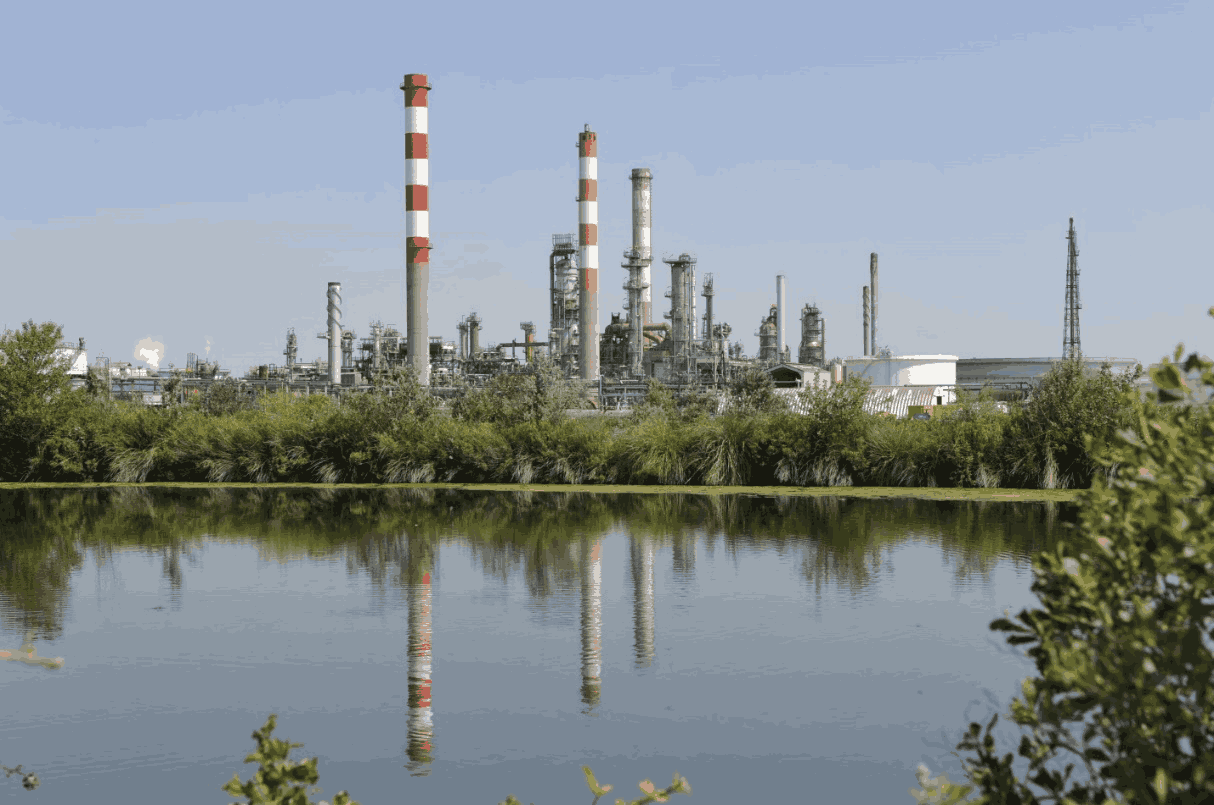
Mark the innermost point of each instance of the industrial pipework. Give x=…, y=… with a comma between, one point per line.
x=780, y=300
x=872, y=271
x=588, y=253
x=642, y=229
x=417, y=221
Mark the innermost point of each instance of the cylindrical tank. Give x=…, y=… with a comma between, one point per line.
x=416, y=87
x=588, y=253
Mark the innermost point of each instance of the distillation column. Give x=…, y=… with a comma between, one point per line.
x=636, y=288
x=417, y=222
x=780, y=333
x=642, y=234
x=867, y=325
x=872, y=271
x=588, y=253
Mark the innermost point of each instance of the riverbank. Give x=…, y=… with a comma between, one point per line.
x=917, y=493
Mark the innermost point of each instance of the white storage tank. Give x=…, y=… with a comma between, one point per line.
x=905, y=370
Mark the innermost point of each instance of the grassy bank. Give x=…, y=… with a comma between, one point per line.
x=918, y=493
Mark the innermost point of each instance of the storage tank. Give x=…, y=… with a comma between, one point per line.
x=906, y=370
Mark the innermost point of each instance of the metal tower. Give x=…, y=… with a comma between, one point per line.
x=1070, y=323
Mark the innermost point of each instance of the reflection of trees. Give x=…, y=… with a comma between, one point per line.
x=47, y=532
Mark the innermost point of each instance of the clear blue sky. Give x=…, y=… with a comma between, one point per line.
x=197, y=174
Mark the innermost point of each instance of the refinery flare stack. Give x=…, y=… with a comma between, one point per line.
x=417, y=221
x=588, y=253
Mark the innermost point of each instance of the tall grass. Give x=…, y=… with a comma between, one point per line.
x=518, y=432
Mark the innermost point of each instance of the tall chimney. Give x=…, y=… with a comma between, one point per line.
x=867, y=326
x=588, y=252
x=642, y=229
x=335, y=332
x=780, y=284
x=872, y=271
x=417, y=222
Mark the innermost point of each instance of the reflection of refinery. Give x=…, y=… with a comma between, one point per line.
x=421, y=716
x=640, y=551
x=592, y=622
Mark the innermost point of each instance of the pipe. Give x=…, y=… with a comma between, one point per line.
x=872, y=270
x=334, y=332
x=642, y=233
x=588, y=254
x=417, y=221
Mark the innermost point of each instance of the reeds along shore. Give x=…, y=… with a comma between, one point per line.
x=516, y=430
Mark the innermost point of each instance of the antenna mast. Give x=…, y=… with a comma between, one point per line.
x=1070, y=324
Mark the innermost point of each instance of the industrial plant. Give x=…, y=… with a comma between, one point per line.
x=676, y=343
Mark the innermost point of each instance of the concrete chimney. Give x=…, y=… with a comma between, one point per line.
x=867, y=324
x=642, y=229
x=588, y=253
x=417, y=222
x=335, y=332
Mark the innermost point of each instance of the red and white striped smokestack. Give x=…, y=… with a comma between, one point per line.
x=588, y=252
x=417, y=222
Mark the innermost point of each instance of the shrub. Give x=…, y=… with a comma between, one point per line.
x=825, y=445
x=1123, y=640
x=1046, y=444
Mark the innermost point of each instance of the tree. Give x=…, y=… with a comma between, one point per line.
x=34, y=398
x=1069, y=404
x=1124, y=640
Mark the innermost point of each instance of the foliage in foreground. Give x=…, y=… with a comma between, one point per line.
x=1124, y=640
x=280, y=781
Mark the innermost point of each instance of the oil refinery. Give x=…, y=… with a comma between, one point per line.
x=676, y=343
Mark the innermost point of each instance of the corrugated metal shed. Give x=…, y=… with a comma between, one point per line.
x=894, y=400
x=890, y=400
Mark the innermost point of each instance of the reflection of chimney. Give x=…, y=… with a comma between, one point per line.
x=641, y=549
x=421, y=715
x=592, y=623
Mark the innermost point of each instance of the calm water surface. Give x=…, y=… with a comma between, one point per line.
x=435, y=646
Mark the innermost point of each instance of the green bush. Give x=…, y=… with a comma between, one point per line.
x=34, y=396
x=1124, y=640
x=826, y=445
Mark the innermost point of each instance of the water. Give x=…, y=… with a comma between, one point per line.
x=457, y=646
